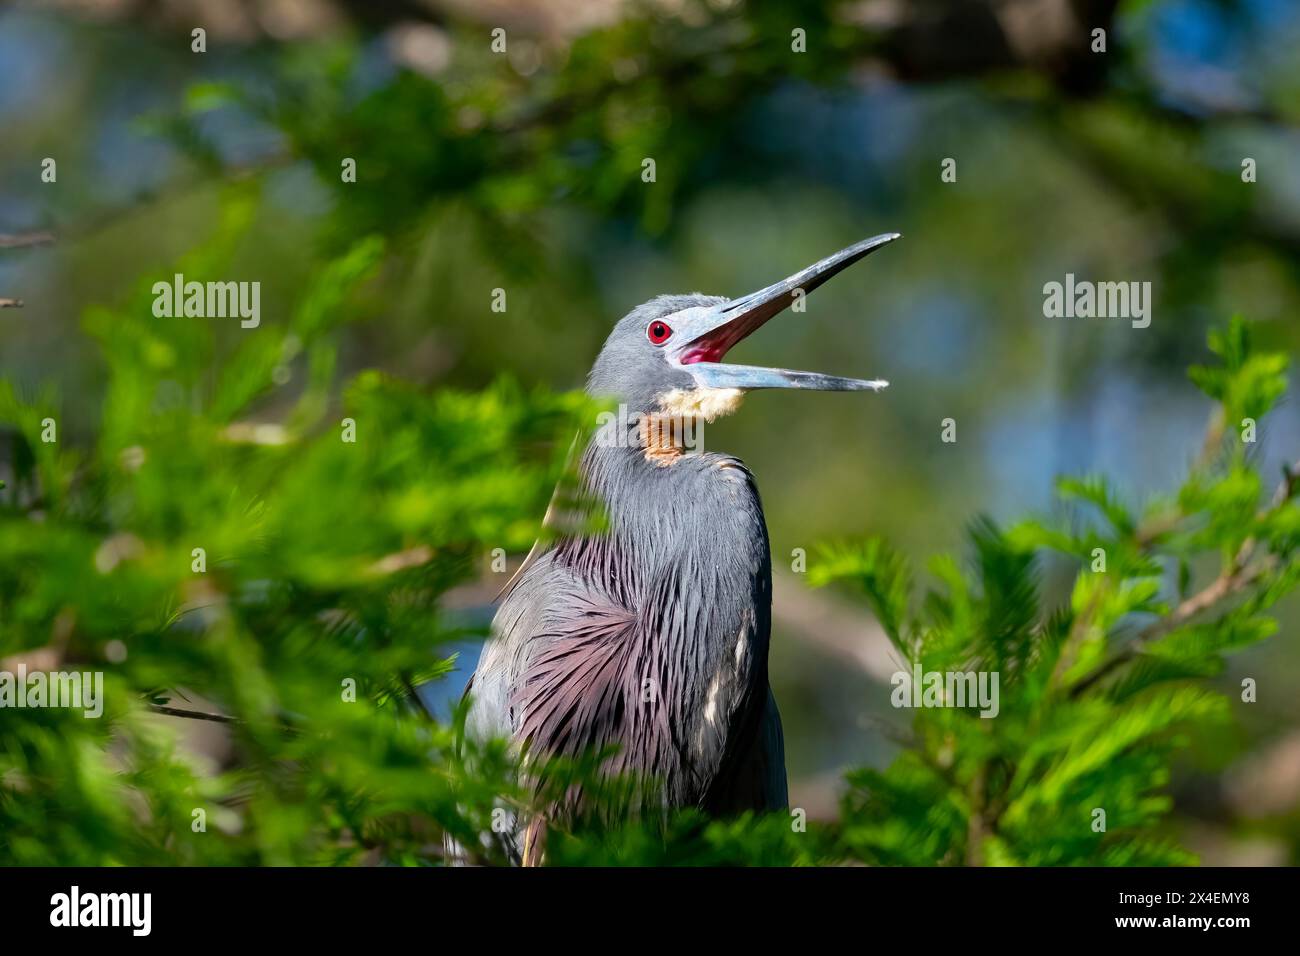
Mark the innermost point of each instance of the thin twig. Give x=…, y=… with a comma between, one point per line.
x=21, y=240
x=192, y=714
x=419, y=701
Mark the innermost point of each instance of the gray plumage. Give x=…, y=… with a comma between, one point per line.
x=652, y=637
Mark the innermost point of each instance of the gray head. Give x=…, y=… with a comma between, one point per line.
x=667, y=354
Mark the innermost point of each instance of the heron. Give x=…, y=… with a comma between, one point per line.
x=649, y=638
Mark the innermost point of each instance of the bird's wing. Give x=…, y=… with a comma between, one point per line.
x=552, y=627
x=580, y=683
x=502, y=658
x=758, y=781
x=596, y=674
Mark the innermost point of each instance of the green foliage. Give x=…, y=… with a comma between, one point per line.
x=509, y=141
x=328, y=561
x=1097, y=692
x=1246, y=384
x=322, y=567
x=691, y=839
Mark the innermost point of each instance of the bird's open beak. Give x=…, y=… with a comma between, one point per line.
x=709, y=333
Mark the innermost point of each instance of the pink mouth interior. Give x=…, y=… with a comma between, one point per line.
x=712, y=346
x=703, y=352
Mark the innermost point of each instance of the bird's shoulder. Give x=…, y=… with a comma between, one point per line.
x=723, y=482
x=725, y=469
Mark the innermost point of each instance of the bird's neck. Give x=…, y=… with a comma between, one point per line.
x=676, y=426
x=665, y=438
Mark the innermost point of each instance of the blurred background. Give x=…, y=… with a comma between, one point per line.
x=522, y=170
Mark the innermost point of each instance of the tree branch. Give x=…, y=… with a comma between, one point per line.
x=22, y=240
x=1234, y=579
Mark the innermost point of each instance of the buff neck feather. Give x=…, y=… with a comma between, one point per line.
x=679, y=410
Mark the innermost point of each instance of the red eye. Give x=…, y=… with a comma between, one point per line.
x=658, y=332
